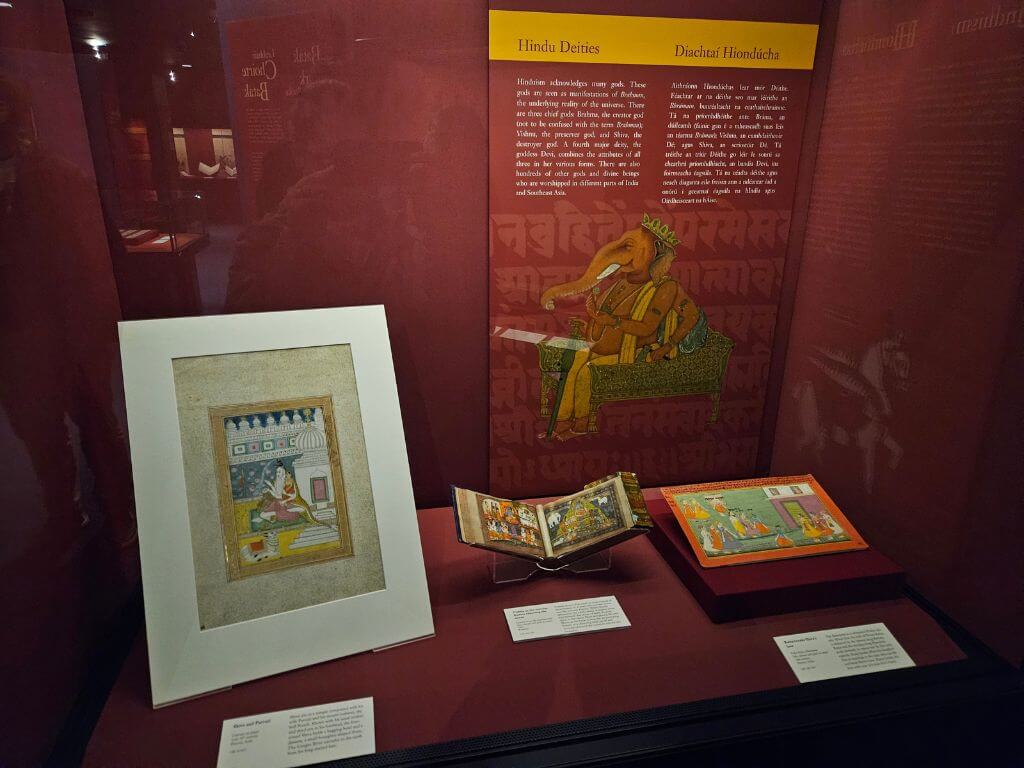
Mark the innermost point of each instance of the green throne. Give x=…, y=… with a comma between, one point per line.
x=698, y=373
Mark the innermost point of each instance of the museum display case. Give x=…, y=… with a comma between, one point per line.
x=282, y=278
x=674, y=681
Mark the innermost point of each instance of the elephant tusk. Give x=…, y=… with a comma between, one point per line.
x=609, y=270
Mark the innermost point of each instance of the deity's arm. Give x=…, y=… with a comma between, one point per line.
x=660, y=304
x=689, y=314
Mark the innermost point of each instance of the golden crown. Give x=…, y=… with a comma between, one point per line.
x=661, y=231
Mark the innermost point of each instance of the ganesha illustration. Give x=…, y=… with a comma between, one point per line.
x=644, y=336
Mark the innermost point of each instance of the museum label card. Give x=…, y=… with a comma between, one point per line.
x=294, y=737
x=571, y=617
x=842, y=652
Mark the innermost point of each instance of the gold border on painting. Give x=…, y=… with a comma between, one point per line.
x=227, y=510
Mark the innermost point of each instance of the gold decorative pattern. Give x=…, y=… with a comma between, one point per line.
x=699, y=373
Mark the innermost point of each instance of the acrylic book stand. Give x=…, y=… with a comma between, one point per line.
x=506, y=569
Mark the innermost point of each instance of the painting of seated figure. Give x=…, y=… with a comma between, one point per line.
x=581, y=518
x=282, y=501
x=749, y=521
x=644, y=336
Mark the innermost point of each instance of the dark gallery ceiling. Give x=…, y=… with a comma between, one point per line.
x=177, y=41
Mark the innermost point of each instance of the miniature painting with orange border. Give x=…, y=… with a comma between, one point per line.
x=751, y=521
x=281, y=488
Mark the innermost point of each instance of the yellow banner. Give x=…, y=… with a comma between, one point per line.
x=599, y=39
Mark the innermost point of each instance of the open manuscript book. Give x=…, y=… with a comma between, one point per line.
x=556, y=532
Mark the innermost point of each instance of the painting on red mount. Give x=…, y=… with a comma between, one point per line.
x=751, y=521
x=639, y=218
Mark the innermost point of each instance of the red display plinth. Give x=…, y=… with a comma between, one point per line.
x=780, y=586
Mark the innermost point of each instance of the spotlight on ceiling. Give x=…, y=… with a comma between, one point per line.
x=171, y=76
x=192, y=33
x=96, y=43
x=187, y=66
x=6, y=4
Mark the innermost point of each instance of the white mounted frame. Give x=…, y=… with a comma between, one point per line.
x=186, y=660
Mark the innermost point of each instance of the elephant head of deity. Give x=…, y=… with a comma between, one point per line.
x=639, y=255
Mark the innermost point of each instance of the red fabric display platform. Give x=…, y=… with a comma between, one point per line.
x=736, y=592
x=472, y=680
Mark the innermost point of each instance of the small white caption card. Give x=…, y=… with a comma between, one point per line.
x=296, y=737
x=842, y=652
x=572, y=617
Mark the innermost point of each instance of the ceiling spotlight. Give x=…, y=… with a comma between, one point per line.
x=171, y=77
x=96, y=43
x=192, y=33
x=187, y=66
x=6, y=4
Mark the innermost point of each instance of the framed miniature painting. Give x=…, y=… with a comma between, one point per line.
x=273, y=494
x=751, y=521
x=282, y=500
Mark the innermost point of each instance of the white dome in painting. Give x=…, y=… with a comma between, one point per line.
x=310, y=438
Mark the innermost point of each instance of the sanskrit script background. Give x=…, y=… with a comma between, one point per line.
x=731, y=260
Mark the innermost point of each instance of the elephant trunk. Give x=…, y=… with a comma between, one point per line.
x=605, y=263
x=562, y=290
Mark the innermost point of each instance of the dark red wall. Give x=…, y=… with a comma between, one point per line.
x=395, y=215
x=68, y=553
x=902, y=388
